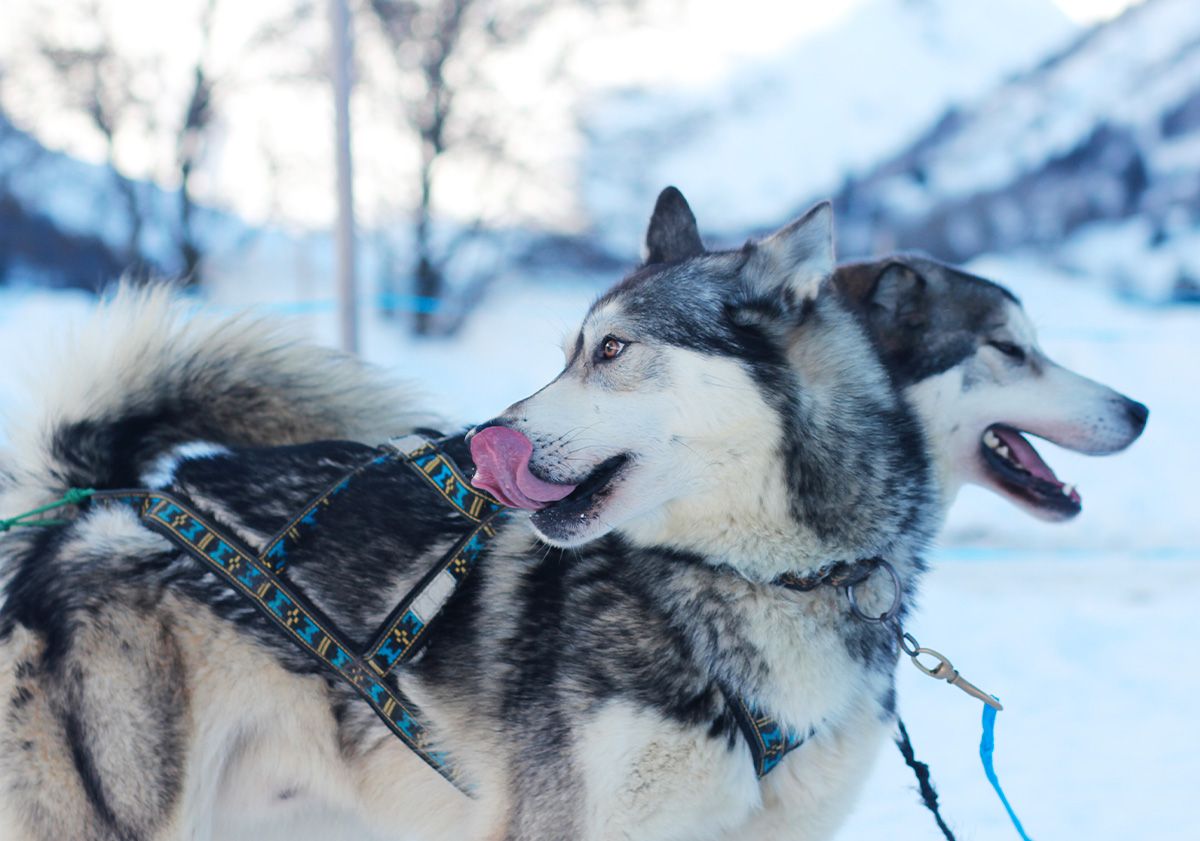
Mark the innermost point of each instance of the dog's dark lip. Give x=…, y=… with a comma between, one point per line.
x=593, y=485
x=595, y=481
x=1045, y=494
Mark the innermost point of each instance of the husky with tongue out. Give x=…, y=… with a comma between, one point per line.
x=723, y=422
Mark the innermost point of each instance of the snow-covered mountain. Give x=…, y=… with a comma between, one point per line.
x=1092, y=159
x=797, y=123
x=36, y=248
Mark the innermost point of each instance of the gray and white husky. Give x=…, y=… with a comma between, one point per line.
x=724, y=420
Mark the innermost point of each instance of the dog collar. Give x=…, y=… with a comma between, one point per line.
x=839, y=574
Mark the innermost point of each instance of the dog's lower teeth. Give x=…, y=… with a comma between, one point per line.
x=1068, y=490
x=1003, y=450
x=990, y=439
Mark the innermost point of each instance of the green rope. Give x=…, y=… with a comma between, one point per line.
x=73, y=496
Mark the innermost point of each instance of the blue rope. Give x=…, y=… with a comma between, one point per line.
x=987, y=745
x=394, y=301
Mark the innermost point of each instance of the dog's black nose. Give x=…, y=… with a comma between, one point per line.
x=1137, y=414
x=473, y=432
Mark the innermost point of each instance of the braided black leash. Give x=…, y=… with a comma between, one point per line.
x=921, y=770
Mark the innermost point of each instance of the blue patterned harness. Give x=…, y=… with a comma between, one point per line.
x=259, y=577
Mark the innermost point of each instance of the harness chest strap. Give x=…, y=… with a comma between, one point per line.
x=768, y=740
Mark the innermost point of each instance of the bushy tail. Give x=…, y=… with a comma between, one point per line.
x=145, y=374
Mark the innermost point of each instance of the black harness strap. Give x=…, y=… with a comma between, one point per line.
x=275, y=553
x=768, y=740
x=256, y=576
x=404, y=630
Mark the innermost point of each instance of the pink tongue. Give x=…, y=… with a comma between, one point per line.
x=502, y=469
x=1026, y=455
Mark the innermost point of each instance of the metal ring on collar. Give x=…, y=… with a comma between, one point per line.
x=893, y=609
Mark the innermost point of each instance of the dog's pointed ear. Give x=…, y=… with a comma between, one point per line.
x=899, y=294
x=672, y=234
x=797, y=258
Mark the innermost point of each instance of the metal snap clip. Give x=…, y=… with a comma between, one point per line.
x=943, y=669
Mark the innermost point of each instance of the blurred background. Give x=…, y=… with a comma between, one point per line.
x=506, y=155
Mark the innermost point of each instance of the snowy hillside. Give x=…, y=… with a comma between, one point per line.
x=1094, y=157
x=747, y=150
x=65, y=223
x=36, y=247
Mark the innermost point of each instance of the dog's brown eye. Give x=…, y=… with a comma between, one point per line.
x=1010, y=350
x=611, y=348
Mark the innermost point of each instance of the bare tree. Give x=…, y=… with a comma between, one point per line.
x=197, y=118
x=95, y=79
x=96, y=82
x=442, y=44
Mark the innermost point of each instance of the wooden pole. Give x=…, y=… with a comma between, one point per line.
x=339, y=19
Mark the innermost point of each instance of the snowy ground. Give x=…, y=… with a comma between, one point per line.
x=1085, y=630
x=1094, y=659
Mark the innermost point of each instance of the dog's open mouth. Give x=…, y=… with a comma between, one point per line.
x=1015, y=465
x=502, y=457
x=587, y=494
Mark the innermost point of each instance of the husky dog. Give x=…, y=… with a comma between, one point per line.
x=724, y=419
x=967, y=357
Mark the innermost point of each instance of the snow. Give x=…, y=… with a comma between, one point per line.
x=1089, y=155
x=1140, y=263
x=1094, y=661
